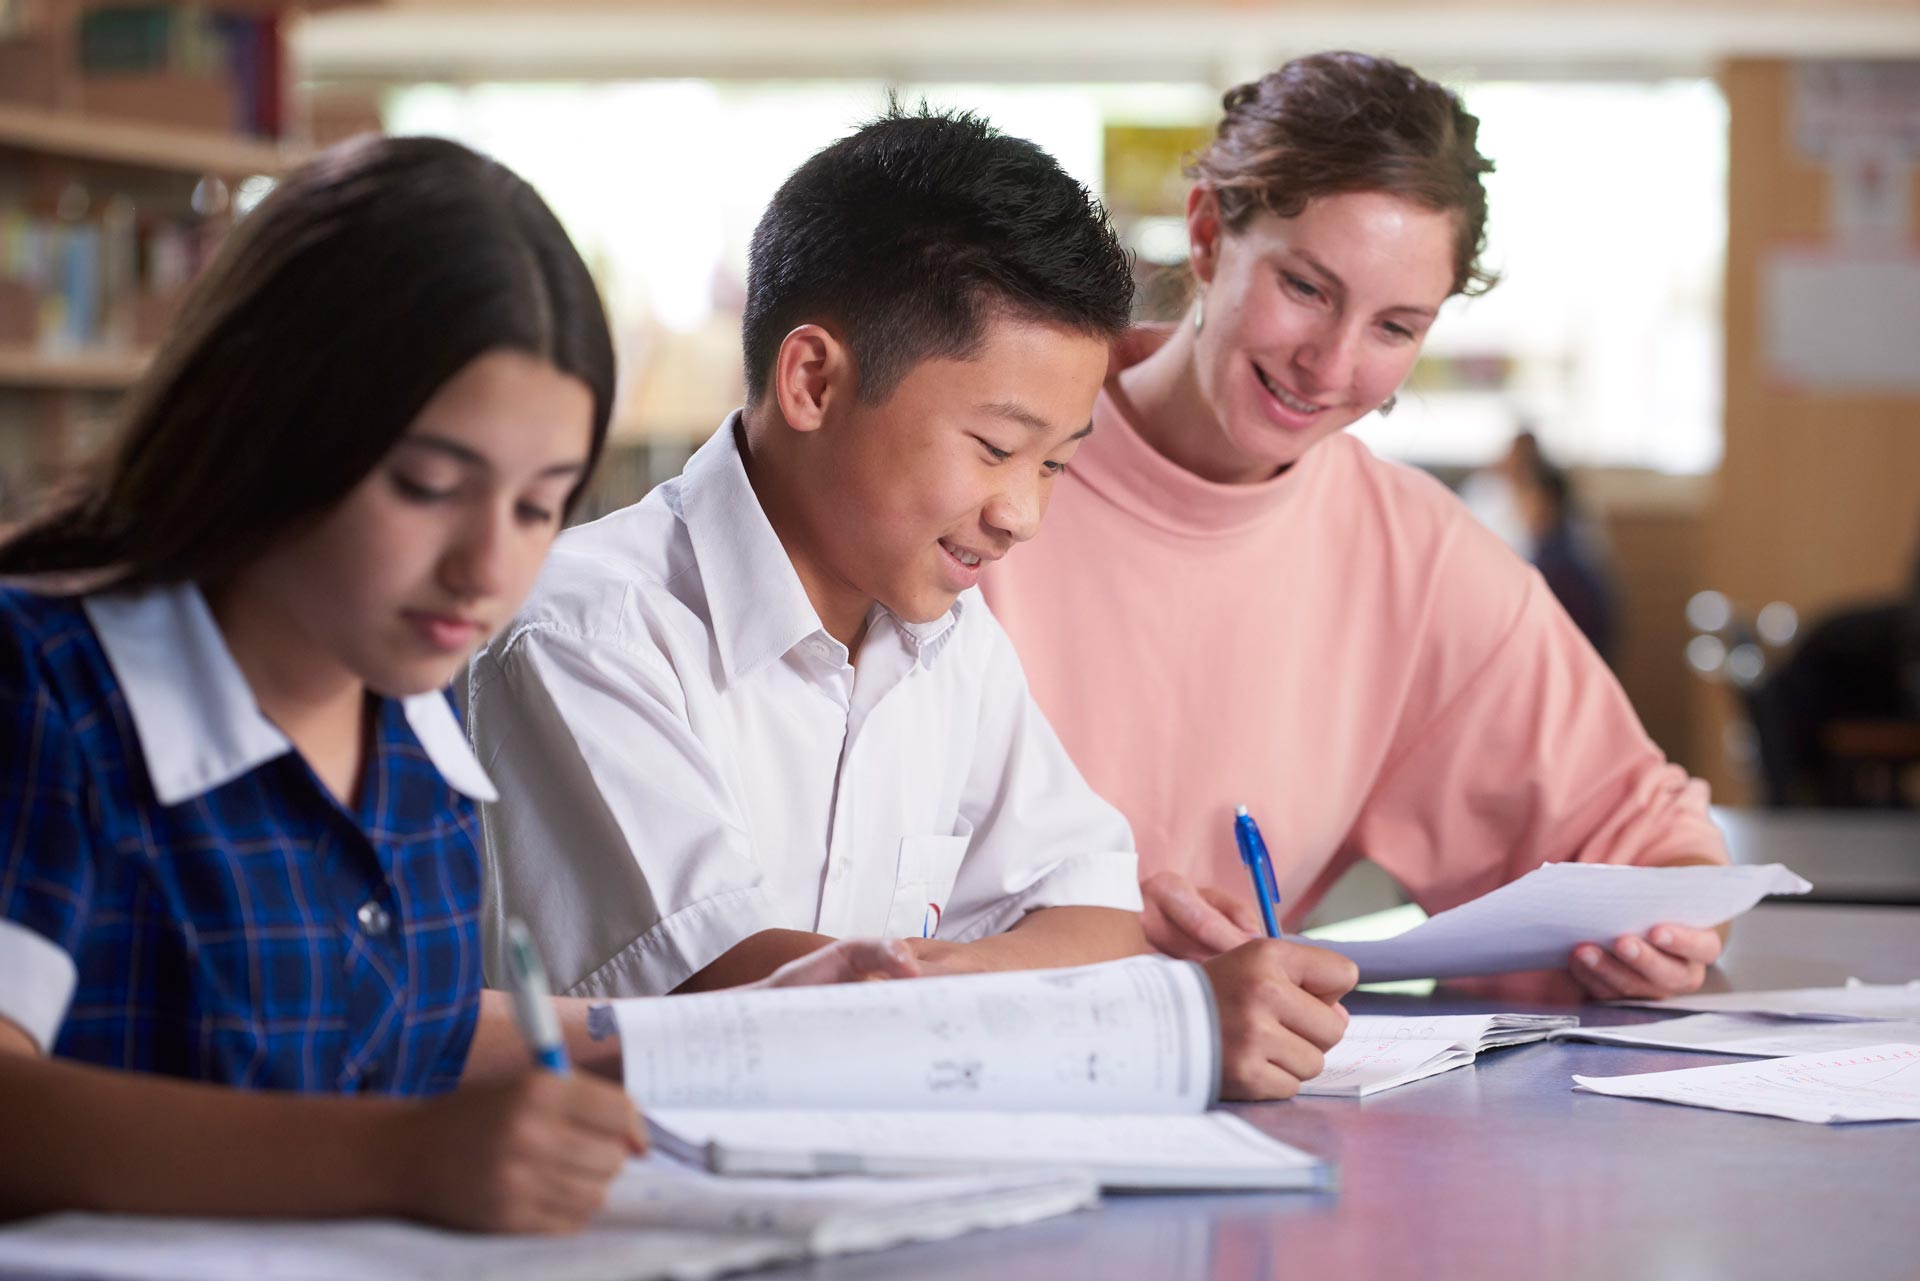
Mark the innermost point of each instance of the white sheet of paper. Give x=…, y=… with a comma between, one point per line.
x=1856, y=1001
x=1832, y=316
x=1875, y=1083
x=1534, y=923
x=1751, y=1035
x=1128, y=1036
x=663, y=1222
x=1381, y=1051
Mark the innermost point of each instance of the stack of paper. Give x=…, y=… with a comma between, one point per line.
x=1775, y=1024
x=1855, y=1001
x=1380, y=1052
x=1753, y=1035
x=663, y=1222
x=1876, y=1083
x=1534, y=923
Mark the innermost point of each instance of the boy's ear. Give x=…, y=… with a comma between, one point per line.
x=811, y=369
x=1203, y=231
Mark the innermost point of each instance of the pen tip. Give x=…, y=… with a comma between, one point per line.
x=1239, y=811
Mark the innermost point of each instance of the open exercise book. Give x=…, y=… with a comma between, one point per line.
x=663, y=1222
x=1381, y=1051
x=1108, y=1069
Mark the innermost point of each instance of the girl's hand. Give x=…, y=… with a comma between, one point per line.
x=531, y=1154
x=1670, y=961
x=1193, y=922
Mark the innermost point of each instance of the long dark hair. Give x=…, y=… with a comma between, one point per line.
x=367, y=279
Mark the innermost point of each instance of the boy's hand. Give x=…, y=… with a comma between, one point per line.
x=1196, y=922
x=847, y=961
x=939, y=959
x=1669, y=961
x=1280, y=1012
x=530, y=1154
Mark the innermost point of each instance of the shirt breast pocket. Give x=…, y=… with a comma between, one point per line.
x=928, y=867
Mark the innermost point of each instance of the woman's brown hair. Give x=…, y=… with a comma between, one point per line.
x=1332, y=123
x=369, y=278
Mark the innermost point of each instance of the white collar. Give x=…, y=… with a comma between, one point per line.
x=754, y=596
x=195, y=714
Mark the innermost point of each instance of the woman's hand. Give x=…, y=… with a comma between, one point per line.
x=1196, y=922
x=1670, y=961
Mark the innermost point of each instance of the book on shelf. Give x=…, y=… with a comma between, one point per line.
x=107, y=281
x=199, y=66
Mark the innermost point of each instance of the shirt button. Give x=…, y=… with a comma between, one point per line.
x=373, y=918
x=839, y=871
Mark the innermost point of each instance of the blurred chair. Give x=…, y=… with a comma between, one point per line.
x=1836, y=718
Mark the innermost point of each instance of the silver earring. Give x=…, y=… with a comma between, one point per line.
x=1386, y=406
x=1199, y=311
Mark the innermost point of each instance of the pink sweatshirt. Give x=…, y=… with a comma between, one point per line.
x=1344, y=650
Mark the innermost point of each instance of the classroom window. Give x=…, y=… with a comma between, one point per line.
x=1608, y=226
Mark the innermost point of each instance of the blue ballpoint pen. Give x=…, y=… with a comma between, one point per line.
x=1253, y=852
x=533, y=1000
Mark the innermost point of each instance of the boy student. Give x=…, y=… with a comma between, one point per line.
x=763, y=707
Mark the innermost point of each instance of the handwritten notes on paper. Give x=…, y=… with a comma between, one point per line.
x=1876, y=1083
x=1534, y=923
x=1380, y=1051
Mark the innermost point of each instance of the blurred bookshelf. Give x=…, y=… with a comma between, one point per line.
x=188, y=150
x=131, y=136
x=101, y=370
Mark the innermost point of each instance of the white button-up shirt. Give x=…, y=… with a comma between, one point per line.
x=688, y=758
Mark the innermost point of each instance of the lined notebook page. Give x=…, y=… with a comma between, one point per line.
x=1129, y=1036
x=1381, y=1051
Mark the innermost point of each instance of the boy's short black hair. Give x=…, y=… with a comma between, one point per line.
x=908, y=234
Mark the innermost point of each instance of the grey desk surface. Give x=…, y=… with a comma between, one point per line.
x=1851, y=856
x=1500, y=1170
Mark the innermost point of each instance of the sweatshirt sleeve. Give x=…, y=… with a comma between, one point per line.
x=1530, y=753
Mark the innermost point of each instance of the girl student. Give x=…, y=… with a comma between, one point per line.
x=1236, y=603
x=239, y=874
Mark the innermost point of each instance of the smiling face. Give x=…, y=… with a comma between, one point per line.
x=438, y=545
x=903, y=501
x=1310, y=322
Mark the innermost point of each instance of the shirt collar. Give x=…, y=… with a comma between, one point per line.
x=757, y=605
x=928, y=639
x=755, y=599
x=195, y=715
